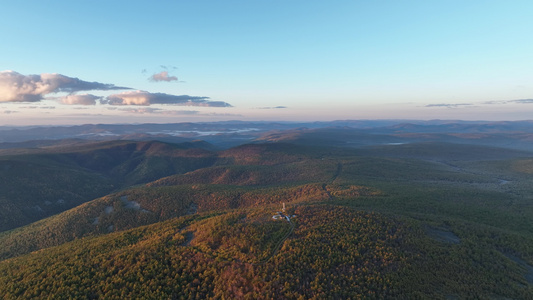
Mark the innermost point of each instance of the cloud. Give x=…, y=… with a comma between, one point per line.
x=489, y=102
x=37, y=107
x=145, y=98
x=163, y=76
x=80, y=99
x=143, y=110
x=455, y=105
x=168, y=67
x=15, y=87
x=165, y=112
x=9, y=112
x=275, y=107
x=150, y=110
x=223, y=115
x=181, y=112
x=495, y=102
x=522, y=101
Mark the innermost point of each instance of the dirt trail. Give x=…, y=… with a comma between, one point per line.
x=189, y=236
x=333, y=178
x=276, y=248
x=337, y=173
x=192, y=209
x=529, y=269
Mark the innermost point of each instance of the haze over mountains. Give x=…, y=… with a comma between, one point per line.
x=378, y=209
x=516, y=134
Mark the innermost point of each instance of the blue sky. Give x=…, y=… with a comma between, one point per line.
x=264, y=60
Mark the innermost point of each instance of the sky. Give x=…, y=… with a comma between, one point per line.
x=80, y=62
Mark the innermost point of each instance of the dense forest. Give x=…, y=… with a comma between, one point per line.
x=186, y=221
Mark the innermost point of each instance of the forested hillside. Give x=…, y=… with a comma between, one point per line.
x=36, y=183
x=429, y=221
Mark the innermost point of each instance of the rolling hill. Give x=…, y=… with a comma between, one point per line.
x=40, y=182
x=430, y=220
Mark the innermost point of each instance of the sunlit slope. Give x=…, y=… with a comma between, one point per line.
x=301, y=171
x=462, y=190
x=202, y=256
x=301, y=178
x=141, y=206
x=326, y=251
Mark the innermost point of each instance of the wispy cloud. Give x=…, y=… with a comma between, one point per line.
x=272, y=107
x=80, y=99
x=7, y=112
x=37, y=107
x=151, y=110
x=492, y=102
x=15, y=87
x=139, y=110
x=489, y=102
x=522, y=101
x=159, y=111
x=449, y=105
x=146, y=98
x=162, y=76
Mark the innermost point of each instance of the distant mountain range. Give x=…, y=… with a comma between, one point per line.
x=516, y=134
